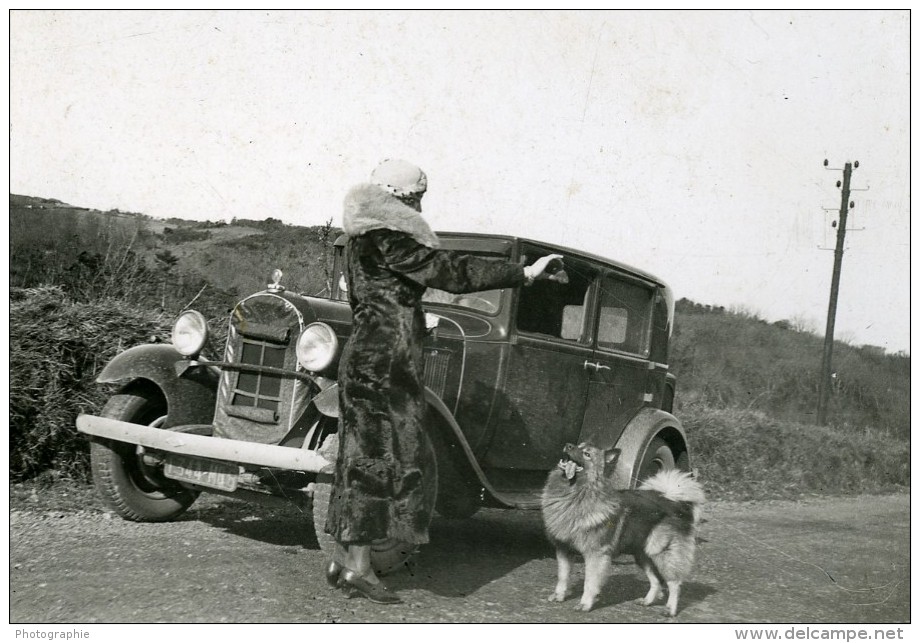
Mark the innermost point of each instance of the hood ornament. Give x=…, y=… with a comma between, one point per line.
x=275, y=285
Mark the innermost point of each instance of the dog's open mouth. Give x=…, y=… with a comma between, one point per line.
x=569, y=468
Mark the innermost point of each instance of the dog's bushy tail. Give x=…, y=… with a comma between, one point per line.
x=678, y=486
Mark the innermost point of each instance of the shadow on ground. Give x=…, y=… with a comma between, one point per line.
x=289, y=527
x=462, y=557
x=628, y=584
x=465, y=555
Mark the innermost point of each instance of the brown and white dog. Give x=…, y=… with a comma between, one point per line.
x=584, y=513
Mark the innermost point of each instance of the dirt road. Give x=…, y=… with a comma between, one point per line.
x=827, y=560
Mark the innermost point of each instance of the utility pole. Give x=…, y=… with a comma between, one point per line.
x=824, y=385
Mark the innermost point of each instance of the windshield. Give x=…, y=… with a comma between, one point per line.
x=486, y=301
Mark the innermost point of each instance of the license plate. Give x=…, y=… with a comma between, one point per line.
x=207, y=473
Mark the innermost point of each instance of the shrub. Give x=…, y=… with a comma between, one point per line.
x=746, y=454
x=57, y=346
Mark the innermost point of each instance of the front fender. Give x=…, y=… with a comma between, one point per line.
x=191, y=392
x=637, y=435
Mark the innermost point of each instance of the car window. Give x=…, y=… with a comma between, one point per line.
x=557, y=308
x=625, y=315
x=486, y=301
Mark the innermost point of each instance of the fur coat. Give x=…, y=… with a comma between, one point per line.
x=383, y=462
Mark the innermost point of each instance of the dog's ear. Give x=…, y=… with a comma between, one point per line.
x=610, y=460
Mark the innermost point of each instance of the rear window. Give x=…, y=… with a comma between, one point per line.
x=624, y=319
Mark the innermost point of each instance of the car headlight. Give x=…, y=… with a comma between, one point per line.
x=316, y=347
x=190, y=332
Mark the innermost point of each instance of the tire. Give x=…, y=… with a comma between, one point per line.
x=683, y=461
x=131, y=485
x=658, y=457
x=387, y=555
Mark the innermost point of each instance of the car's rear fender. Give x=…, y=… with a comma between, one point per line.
x=648, y=424
x=190, y=391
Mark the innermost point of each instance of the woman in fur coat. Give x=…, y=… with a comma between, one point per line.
x=392, y=257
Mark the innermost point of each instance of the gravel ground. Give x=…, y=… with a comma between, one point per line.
x=818, y=560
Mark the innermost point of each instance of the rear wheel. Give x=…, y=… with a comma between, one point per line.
x=129, y=481
x=658, y=457
x=386, y=555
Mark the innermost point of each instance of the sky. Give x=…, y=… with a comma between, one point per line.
x=690, y=144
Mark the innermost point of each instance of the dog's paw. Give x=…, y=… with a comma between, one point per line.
x=584, y=607
x=650, y=599
x=555, y=597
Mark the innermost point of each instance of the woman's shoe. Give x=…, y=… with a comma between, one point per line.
x=374, y=592
x=333, y=573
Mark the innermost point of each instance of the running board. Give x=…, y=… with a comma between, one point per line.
x=519, y=499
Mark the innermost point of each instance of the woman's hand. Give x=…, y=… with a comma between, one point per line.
x=537, y=270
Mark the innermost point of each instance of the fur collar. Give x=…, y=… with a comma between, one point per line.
x=369, y=207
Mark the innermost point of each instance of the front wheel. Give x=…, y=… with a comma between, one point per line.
x=386, y=555
x=130, y=482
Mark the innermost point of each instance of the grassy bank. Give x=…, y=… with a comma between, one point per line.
x=742, y=454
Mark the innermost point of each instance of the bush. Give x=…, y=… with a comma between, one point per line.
x=57, y=346
x=746, y=454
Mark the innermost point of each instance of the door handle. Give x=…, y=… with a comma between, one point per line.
x=596, y=366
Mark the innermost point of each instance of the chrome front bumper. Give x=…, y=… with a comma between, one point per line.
x=252, y=453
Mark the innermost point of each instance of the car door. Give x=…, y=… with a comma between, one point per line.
x=619, y=366
x=541, y=401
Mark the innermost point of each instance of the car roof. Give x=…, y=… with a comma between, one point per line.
x=510, y=239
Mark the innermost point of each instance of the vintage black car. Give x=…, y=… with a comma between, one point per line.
x=511, y=376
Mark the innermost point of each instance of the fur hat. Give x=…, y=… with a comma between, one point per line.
x=399, y=178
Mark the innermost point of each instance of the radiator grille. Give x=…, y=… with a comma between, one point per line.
x=259, y=390
x=436, y=363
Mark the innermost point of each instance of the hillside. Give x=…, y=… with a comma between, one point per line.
x=735, y=360
x=733, y=369
x=95, y=254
